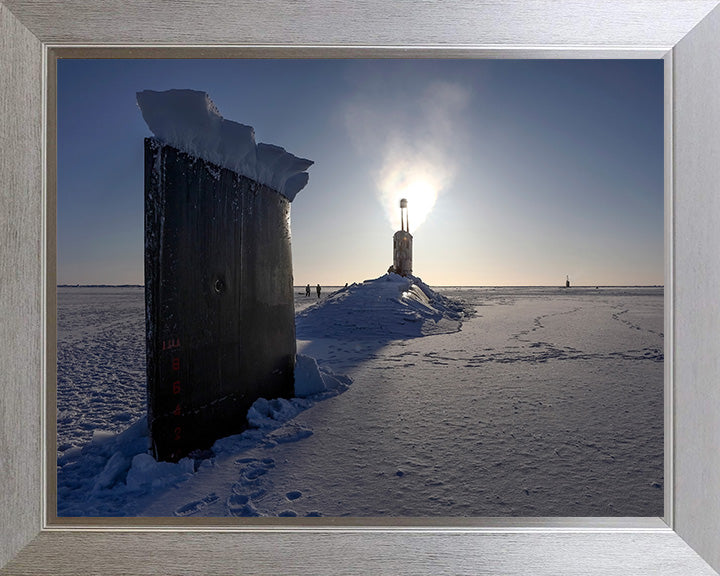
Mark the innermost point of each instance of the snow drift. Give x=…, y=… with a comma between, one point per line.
x=387, y=308
x=189, y=121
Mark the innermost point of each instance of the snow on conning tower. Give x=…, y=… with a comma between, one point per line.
x=219, y=311
x=402, y=244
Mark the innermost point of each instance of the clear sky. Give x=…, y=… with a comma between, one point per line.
x=517, y=172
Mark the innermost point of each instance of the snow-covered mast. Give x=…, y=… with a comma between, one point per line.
x=402, y=244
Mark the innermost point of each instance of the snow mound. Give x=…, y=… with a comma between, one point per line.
x=189, y=121
x=312, y=380
x=147, y=474
x=390, y=307
x=269, y=414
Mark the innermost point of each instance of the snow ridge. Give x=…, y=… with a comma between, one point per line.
x=189, y=121
x=390, y=307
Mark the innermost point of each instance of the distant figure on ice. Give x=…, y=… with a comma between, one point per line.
x=318, y=290
x=567, y=281
x=307, y=290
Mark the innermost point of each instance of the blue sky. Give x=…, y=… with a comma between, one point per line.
x=531, y=169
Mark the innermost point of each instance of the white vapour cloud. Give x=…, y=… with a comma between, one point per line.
x=415, y=142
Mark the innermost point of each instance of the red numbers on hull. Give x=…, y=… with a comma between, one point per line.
x=174, y=344
x=171, y=343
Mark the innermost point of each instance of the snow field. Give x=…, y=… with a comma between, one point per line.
x=545, y=403
x=101, y=361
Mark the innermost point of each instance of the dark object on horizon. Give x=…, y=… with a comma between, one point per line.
x=219, y=311
x=318, y=290
x=402, y=245
x=567, y=281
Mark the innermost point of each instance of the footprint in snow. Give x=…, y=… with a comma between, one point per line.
x=252, y=470
x=241, y=506
x=241, y=489
x=293, y=495
x=251, y=483
x=254, y=473
x=196, y=505
x=288, y=434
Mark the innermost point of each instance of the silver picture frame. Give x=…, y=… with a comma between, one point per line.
x=684, y=33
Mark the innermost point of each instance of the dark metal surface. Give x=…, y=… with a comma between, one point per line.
x=219, y=306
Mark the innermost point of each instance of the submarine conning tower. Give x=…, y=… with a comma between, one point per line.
x=219, y=312
x=402, y=244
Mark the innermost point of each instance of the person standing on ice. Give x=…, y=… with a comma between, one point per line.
x=318, y=290
x=307, y=290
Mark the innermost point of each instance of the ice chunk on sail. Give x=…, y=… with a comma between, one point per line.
x=189, y=121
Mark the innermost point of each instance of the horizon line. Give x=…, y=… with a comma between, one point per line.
x=435, y=285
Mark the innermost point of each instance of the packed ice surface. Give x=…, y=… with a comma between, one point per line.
x=535, y=402
x=189, y=121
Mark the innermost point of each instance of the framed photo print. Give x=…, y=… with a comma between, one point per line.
x=433, y=297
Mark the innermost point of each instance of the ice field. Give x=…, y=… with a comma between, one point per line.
x=496, y=402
